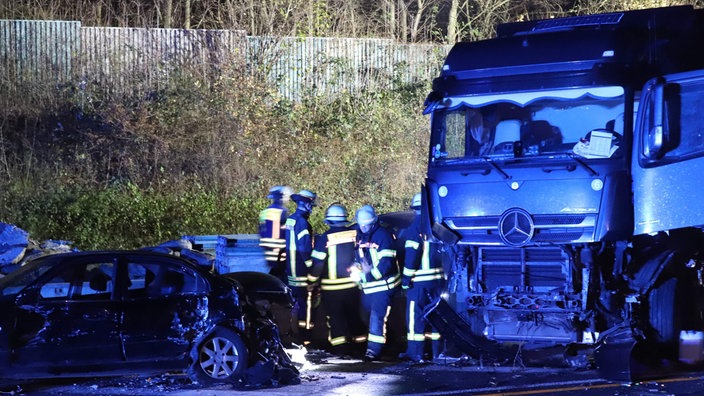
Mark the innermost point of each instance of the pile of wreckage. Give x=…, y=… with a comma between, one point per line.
x=16, y=248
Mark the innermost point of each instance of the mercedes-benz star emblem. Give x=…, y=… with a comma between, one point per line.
x=516, y=227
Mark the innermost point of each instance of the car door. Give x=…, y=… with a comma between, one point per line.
x=165, y=306
x=668, y=155
x=68, y=321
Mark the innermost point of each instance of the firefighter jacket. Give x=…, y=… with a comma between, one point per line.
x=272, y=227
x=421, y=261
x=299, y=246
x=376, y=251
x=333, y=256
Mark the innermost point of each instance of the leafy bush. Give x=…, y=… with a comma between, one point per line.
x=198, y=157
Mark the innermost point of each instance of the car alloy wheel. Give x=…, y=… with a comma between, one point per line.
x=222, y=356
x=219, y=357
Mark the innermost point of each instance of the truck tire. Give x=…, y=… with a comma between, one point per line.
x=220, y=357
x=665, y=311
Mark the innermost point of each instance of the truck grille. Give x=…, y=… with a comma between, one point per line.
x=551, y=228
x=535, y=269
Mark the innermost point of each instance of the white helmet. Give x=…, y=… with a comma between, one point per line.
x=305, y=196
x=336, y=213
x=276, y=193
x=366, y=215
x=415, y=202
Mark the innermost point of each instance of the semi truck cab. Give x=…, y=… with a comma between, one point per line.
x=561, y=173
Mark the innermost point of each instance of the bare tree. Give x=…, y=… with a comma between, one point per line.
x=452, y=22
x=168, y=14
x=187, y=14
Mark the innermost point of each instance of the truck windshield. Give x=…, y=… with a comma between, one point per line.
x=588, y=123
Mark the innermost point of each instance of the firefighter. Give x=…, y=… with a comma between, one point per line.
x=299, y=246
x=423, y=279
x=272, y=226
x=377, y=273
x=333, y=256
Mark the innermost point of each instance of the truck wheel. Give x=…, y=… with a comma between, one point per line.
x=665, y=311
x=220, y=357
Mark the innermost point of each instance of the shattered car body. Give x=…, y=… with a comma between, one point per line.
x=117, y=312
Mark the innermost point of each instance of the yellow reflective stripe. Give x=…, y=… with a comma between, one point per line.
x=376, y=273
x=337, y=281
x=302, y=234
x=297, y=281
x=318, y=255
x=308, y=263
x=381, y=285
x=381, y=282
x=309, y=302
x=337, y=238
x=425, y=261
x=411, y=319
x=376, y=338
x=272, y=214
x=312, y=279
x=408, y=271
x=432, y=336
x=373, y=253
x=412, y=244
x=426, y=278
x=332, y=262
x=290, y=223
x=396, y=282
x=429, y=271
x=338, y=287
x=338, y=341
x=359, y=339
x=386, y=253
x=381, y=338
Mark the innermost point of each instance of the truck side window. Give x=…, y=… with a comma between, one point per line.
x=683, y=135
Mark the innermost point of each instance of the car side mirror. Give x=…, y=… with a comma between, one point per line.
x=655, y=139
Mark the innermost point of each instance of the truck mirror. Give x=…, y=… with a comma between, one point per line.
x=655, y=138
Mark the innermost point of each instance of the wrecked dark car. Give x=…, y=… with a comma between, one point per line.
x=119, y=312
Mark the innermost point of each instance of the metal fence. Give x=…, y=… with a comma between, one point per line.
x=38, y=50
x=137, y=59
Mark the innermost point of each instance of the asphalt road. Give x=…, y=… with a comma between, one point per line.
x=326, y=375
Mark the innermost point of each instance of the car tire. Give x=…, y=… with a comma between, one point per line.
x=220, y=357
x=665, y=310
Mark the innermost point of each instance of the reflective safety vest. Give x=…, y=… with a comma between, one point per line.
x=422, y=259
x=333, y=256
x=377, y=250
x=272, y=226
x=299, y=246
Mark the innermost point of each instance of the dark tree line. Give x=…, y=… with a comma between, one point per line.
x=441, y=21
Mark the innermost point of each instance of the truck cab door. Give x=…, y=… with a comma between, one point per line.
x=668, y=154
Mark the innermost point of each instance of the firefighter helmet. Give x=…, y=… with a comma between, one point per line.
x=336, y=213
x=305, y=196
x=366, y=215
x=276, y=193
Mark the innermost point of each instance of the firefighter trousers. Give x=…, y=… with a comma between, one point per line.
x=420, y=332
x=377, y=307
x=344, y=312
